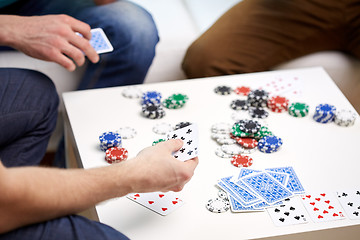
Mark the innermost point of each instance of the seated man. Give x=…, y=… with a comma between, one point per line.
x=33, y=205
x=256, y=35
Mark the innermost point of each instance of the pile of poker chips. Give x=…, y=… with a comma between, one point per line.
x=109, y=139
x=345, y=118
x=269, y=144
x=116, y=155
x=324, y=113
x=298, y=109
x=175, y=101
x=258, y=98
x=153, y=111
x=278, y=104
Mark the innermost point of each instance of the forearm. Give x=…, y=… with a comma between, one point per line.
x=6, y=29
x=42, y=194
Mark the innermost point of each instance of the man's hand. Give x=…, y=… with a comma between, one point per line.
x=155, y=169
x=50, y=38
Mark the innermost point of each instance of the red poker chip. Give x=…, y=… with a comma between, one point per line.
x=277, y=109
x=244, y=91
x=241, y=161
x=116, y=154
x=247, y=142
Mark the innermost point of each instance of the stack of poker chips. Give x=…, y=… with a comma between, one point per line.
x=239, y=104
x=109, y=139
x=151, y=107
x=258, y=98
x=269, y=144
x=298, y=109
x=278, y=104
x=324, y=113
x=175, y=101
x=116, y=155
x=345, y=118
x=223, y=90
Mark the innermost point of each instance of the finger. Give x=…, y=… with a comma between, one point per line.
x=75, y=54
x=192, y=163
x=172, y=145
x=84, y=45
x=80, y=27
x=64, y=61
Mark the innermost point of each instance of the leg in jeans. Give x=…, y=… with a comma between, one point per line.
x=256, y=35
x=70, y=228
x=28, y=112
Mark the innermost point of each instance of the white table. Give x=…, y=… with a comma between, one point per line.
x=325, y=156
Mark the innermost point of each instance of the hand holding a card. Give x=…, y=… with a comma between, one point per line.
x=155, y=169
x=50, y=38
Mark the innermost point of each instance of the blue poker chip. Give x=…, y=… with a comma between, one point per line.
x=269, y=144
x=324, y=113
x=151, y=97
x=109, y=139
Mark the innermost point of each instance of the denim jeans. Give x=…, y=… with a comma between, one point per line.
x=28, y=113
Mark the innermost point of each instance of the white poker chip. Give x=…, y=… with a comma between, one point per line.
x=221, y=154
x=233, y=149
x=345, y=118
x=132, y=92
x=222, y=194
x=228, y=140
x=239, y=115
x=162, y=128
x=217, y=136
x=218, y=205
x=221, y=128
x=249, y=150
x=127, y=132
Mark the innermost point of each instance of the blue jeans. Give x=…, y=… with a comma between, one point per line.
x=130, y=29
x=28, y=113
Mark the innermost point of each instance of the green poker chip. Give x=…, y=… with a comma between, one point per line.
x=236, y=131
x=158, y=141
x=175, y=101
x=298, y=109
x=263, y=132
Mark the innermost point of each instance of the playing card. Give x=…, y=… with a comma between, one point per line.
x=350, y=201
x=237, y=207
x=190, y=137
x=279, y=176
x=290, y=212
x=243, y=196
x=322, y=207
x=284, y=86
x=159, y=202
x=268, y=188
x=293, y=183
x=99, y=41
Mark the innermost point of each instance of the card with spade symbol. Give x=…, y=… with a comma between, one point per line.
x=290, y=212
x=190, y=137
x=350, y=201
x=159, y=202
x=322, y=206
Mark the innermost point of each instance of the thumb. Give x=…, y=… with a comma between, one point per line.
x=173, y=145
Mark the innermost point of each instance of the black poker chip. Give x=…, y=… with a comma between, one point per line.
x=223, y=90
x=258, y=98
x=258, y=112
x=182, y=125
x=153, y=111
x=249, y=126
x=239, y=104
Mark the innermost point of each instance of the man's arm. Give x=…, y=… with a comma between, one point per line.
x=34, y=194
x=50, y=38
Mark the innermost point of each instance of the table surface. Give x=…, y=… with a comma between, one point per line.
x=325, y=156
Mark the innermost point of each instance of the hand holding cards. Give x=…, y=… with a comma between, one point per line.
x=99, y=41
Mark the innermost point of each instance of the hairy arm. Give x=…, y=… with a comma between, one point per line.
x=35, y=194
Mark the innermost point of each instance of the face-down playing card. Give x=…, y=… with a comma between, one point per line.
x=159, y=202
x=190, y=137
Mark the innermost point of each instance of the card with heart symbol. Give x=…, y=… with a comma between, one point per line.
x=290, y=212
x=350, y=201
x=159, y=202
x=190, y=137
x=322, y=206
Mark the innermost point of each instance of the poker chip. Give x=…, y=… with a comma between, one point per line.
x=278, y=104
x=239, y=104
x=221, y=154
x=249, y=126
x=182, y=125
x=218, y=205
x=221, y=128
x=298, y=109
x=153, y=111
x=258, y=112
x=241, y=161
x=237, y=132
x=217, y=136
x=162, y=128
x=264, y=131
x=243, y=91
x=227, y=140
x=222, y=90
x=116, y=155
x=132, y=92
x=269, y=144
x=175, y=101
x=109, y=139
x=151, y=97
x=258, y=98
x=324, y=113
x=158, y=141
x=249, y=150
x=232, y=149
x=345, y=118
x=222, y=194
x=127, y=132
x=247, y=142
